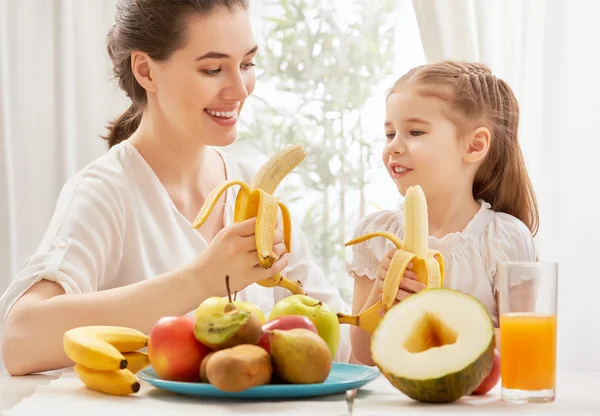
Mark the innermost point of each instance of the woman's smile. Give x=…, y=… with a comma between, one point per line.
x=224, y=116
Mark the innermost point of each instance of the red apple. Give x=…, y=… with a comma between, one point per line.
x=492, y=379
x=173, y=350
x=284, y=323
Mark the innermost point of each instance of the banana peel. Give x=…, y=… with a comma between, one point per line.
x=256, y=200
x=428, y=264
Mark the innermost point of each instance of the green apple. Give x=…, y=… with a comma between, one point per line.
x=216, y=304
x=324, y=318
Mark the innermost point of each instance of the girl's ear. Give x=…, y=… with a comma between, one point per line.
x=477, y=145
x=141, y=65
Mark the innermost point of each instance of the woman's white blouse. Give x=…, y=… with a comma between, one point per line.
x=114, y=224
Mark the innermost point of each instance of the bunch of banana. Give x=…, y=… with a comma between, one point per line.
x=427, y=264
x=257, y=200
x=107, y=357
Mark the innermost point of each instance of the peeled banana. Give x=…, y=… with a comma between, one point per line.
x=257, y=200
x=428, y=264
x=106, y=357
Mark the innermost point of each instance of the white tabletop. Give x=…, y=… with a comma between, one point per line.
x=53, y=393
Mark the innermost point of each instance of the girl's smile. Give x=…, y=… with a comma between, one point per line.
x=397, y=170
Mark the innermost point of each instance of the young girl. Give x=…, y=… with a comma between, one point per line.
x=120, y=249
x=451, y=127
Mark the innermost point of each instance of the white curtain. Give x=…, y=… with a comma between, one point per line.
x=548, y=52
x=55, y=99
x=56, y=96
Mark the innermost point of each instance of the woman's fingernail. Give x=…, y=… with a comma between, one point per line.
x=381, y=312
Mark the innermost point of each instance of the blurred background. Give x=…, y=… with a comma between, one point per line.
x=323, y=71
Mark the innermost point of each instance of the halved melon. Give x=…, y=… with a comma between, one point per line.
x=435, y=346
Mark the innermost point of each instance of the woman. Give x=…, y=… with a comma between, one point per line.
x=120, y=249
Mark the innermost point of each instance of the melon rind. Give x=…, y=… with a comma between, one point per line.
x=448, y=387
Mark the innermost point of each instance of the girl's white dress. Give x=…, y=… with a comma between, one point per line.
x=471, y=257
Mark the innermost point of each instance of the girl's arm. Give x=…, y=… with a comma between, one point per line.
x=364, y=297
x=497, y=330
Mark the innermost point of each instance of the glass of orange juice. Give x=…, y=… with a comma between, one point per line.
x=527, y=309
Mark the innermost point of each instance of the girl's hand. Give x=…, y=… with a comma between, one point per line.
x=233, y=253
x=408, y=284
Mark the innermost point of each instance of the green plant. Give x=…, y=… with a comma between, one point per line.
x=324, y=60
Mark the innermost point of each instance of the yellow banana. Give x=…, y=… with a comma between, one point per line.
x=136, y=361
x=265, y=234
x=101, y=347
x=116, y=383
x=428, y=264
x=257, y=200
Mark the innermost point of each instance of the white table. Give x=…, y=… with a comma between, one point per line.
x=51, y=393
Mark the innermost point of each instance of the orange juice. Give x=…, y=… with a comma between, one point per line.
x=528, y=351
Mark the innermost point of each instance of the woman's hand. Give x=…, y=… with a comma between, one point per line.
x=233, y=253
x=409, y=284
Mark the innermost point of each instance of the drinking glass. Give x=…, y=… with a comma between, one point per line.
x=527, y=309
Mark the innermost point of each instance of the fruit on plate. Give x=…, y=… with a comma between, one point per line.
x=203, y=375
x=216, y=304
x=136, y=361
x=324, y=318
x=239, y=368
x=228, y=328
x=300, y=356
x=174, y=351
x=257, y=200
x=435, y=346
x=492, y=379
x=284, y=323
x=427, y=264
x=117, y=382
x=101, y=347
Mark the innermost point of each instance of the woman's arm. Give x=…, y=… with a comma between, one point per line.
x=33, y=330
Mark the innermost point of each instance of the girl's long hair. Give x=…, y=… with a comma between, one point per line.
x=475, y=95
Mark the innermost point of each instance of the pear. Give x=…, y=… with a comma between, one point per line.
x=215, y=304
x=300, y=356
x=228, y=328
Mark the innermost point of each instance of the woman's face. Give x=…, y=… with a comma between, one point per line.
x=200, y=88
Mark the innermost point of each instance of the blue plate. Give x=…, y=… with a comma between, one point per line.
x=341, y=378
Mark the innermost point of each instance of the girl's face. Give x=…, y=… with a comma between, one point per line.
x=202, y=85
x=422, y=145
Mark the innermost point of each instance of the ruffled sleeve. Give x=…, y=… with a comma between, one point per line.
x=367, y=255
x=506, y=239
